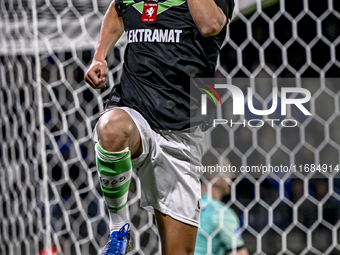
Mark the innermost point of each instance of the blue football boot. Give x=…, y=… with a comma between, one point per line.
x=119, y=242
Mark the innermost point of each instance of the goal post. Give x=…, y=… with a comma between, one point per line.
x=50, y=196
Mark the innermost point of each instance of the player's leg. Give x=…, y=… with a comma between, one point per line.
x=173, y=190
x=119, y=140
x=176, y=237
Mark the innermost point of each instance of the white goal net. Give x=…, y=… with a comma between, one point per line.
x=50, y=198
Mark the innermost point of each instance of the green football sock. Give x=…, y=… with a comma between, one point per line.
x=115, y=169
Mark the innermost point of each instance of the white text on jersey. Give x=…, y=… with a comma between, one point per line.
x=155, y=35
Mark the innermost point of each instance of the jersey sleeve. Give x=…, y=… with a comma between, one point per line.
x=119, y=5
x=227, y=7
x=230, y=232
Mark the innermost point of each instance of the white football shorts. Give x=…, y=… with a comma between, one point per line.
x=166, y=169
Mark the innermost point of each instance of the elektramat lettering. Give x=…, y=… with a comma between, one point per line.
x=155, y=35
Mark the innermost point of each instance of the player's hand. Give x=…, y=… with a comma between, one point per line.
x=96, y=74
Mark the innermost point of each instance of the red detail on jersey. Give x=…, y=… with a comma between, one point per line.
x=149, y=12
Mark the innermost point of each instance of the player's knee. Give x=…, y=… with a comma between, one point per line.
x=114, y=130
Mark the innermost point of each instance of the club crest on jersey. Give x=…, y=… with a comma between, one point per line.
x=149, y=12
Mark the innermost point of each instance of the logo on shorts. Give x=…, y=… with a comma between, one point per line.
x=198, y=209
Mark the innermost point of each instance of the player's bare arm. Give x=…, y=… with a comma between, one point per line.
x=111, y=30
x=208, y=17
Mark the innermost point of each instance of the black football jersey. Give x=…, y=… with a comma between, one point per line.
x=164, y=50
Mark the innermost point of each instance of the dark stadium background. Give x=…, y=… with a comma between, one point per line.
x=245, y=191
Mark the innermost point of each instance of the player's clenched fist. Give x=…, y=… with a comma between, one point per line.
x=96, y=75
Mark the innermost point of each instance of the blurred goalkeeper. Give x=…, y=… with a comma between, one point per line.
x=219, y=233
x=146, y=121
